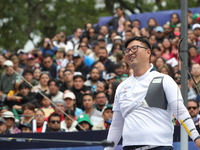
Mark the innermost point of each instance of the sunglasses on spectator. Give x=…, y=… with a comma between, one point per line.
x=192, y=108
x=55, y=121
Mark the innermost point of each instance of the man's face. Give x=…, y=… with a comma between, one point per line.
x=54, y=123
x=100, y=87
x=193, y=109
x=24, y=91
x=28, y=77
x=128, y=35
x=30, y=62
x=68, y=76
x=78, y=83
x=119, y=71
x=159, y=34
x=136, y=24
x=77, y=61
x=94, y=75
x=47, y=62
x=78, y=32
x=102, y=54
x=104, y=30
x=195, y=70
x=107, y=114
x=197, y=32
x=53, y=88
x=25, y=130
x=88, y=101
x=101, y=99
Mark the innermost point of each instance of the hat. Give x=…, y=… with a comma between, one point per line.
x=110, y=76
x=159, y=29
x=60, y=101
x=8, y=63
x=21, y=51
x=107, y=107
x=196, y=25
x=2, y=120
x=117, y=37
x=101, y=39
x=196, y=16
x=30, y=56
x=8, y=114
x=83, y=118
x=25, y=125
x=69, y=95
x=78, y=54
x=61, y=49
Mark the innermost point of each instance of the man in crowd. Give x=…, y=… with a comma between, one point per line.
x=68, y=80
x=54, y=92
x=54, y=123
x=193, y=109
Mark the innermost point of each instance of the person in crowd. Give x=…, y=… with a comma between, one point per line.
x=194, y=57
x=159, y=32
x=79, y=89
x=36, y=74
x=120, y=72
x=95, y=48
x=103, y=57
x=195, y=71
x=93, y=80
x=101, y=68
x=60, y=76
x=107, y=116
x=151, y=24
x=50, y=66
x=69, y=55
x=25, y=128
x=94, y=114
x=112, y=35
x=111, y=91
x=31, y=63
x=70, y=101
x=3, y=127
x=15, y=60
x=43, y=82
x=54, y=123
x=48, y=47
x=28, y=75
x=128, y=34
x=166, y=54
x=54, y=92
x=127, y=27
x=41, y=124
x=59, y=108
x=68, y=80
x=193, y=109
x=69, y=124
x=111, y=77
x=128, y=111
x=136, y=23
x=159, y=62
x=196, y=29
x=60, y=57
x=83, y=46
x=115, y=49
x=101, y=101
x=22, y=55
x=76, y=37
x=10, y=122
x=85, y=123
x=104, y=31
x=174, y=21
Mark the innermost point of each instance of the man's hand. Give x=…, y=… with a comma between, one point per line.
x=197, y=142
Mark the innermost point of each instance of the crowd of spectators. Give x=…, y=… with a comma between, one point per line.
x=68, y=84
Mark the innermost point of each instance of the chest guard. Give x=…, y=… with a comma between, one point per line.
x=155, y=96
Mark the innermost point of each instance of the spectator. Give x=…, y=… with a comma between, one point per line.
x=83, y=46
x=174, y=21
x=31, y=63
x=69, y=124
x=50, y=66
x=104, y=31
x=48, y=47
x=196, y=29
x=111, y=77
x=94, y=114
x=153, y=40
x=22, y=55
x=93, y=79
x=111, y=91
x=195, y=71
x=60, y=76
x=79, y=89
x=167, y=49
x=103, y=57
x=69, y=55
x=159, y=62
x=70, y=101
x=54, y=92
x=191, y=37
x=60, y=57
x=128, y=34
x=95, y=48
x=136, y=23
x=84, y=121
x=71, y=66
x=54, y=123
x=101, y=101
x=151, y=24
x=41, y=124
x=159, y=32
x=28, y=75
x=76, y=37
x=115, y=49
x=15, y=60
x=43, y=85
x=167, y=31
x=120, y=72
x=68, y=80
x=193, y=109
x=10, y=122
x=193, y=54
x=112, y=35
x=127, y=27
x=60, y=108
x=25, y=128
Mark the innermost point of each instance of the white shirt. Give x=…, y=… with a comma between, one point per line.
x=143, y=125
x=63, y=125
x=57, y=96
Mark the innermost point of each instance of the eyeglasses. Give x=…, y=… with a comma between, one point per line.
x=133, y=49
x=192, y=108
x=101, y=97
x=55, y=121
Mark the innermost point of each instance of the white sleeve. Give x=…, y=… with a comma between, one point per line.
x=115, y=131
x=181, y=113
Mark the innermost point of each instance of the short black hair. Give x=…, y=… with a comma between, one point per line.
x=27, y=71
x=193, y=100
x=24, y=85
x=67, y=70
x=99, y=92
x=138, y=38
x=79, y=76
x=53, y=115
x=54, y=80
x=88, y=94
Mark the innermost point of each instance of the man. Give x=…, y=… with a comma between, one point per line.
x=68, y=80
x=193, y=109
x=104, y=30
x=28, y=75
x=94, y=114
x=79, y=89
x=159, y=34
x=120, y=72
x=30, y=61
x=101, y=101
x=60, y=108
x=53, y=85
x=25, y=128
x=103, y=57
x=48, y=65
x=95, y=49
x=3, y=127
x=140, y=102
x=196, y=29
x=76, y=38
x=195, y=71
x=7, y=79
x=54, y=123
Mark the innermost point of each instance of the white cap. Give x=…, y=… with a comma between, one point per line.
x=69, y=95
x=117, y=37
x=8, y=63
x=196, y=25
x=8, y=114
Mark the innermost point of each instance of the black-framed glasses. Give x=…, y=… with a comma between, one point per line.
x=192, y=108
x=133, y=49
x=55, y=121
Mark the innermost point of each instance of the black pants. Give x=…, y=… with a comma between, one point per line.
x=156, y=148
